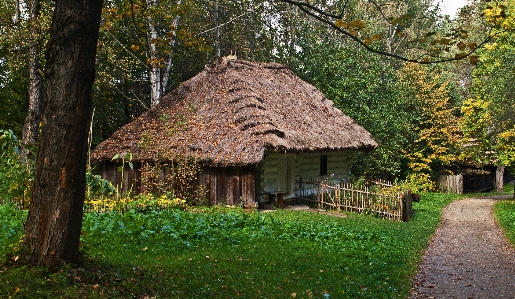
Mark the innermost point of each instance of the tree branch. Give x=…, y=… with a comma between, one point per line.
x=319, y=15
x=228, y=22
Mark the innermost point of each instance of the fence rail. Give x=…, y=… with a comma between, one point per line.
x=378, y=199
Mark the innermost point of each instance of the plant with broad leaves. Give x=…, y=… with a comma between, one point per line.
x=15, y=178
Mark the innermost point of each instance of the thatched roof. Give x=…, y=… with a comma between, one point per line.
x=233, y=111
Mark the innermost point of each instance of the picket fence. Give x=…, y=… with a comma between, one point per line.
x=377, y=198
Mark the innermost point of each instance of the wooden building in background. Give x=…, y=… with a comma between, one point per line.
x=256, y=129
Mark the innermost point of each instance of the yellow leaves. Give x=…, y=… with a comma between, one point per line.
x=342, y=24
x=354, y=27
x=506, y=147
x=377, y=37
x=141, y=201
x=134, y=48
x=357, y=24
x=472, y=106
x=155, y=61
x=438, y=135
x=491, y=46
x=501, y=16
x=476, y=119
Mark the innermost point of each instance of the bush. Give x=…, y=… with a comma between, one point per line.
x=15, y=178
x=419, y=183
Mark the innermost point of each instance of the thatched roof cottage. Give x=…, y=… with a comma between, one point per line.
x=256, y=127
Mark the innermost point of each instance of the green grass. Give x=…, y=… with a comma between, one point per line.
x=231, y=253
x=504, y=212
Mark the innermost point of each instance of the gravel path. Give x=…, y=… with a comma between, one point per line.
x=468, y=257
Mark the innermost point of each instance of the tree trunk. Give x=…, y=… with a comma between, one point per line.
x=499, y=179
x=17, y=13
x=30, y=127
x=173, y=40
x=52, y=230
x=154, y=68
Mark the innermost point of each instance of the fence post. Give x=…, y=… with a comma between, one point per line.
x=337, y=196
x=407, y=205
x=460, y=184
x=322, y=196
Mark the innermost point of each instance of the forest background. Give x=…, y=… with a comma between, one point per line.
x=428, y=118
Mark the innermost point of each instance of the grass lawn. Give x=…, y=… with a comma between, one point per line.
x=230, y=253
x=505, y=214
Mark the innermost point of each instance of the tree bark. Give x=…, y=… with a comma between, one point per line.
x=31, y=125
x=154, y=69
x=52, y=230
x=499, y=179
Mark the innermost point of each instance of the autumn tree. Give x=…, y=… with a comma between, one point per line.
x=144, y=36
x=488, y=120
x=435, y=141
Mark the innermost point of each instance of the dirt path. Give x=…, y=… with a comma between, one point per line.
x=468, y=256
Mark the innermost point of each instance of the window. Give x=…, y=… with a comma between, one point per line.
x=323, y=165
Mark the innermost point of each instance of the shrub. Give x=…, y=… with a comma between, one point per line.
x=15, y=178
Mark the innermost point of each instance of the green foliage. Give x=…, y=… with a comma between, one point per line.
x=175, y=177
x=220, y=252
x=15, y=178
x=493, y=87
x=362, y=85
x=11, y=227
x=97, y=187
x=13, y=98
x=141, y=203
x=419, y=183
x=433, y=122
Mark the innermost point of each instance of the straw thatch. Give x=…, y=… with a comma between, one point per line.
x=231, y=112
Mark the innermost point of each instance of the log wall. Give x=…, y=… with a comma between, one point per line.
x=229, y=185
x=224, y=185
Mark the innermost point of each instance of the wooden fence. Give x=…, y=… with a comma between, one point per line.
x=464, y=183
x=450, y=184
x=377, y=199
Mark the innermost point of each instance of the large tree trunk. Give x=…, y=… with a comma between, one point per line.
x=499, y=179
x=31, y=125
x=52, y=230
